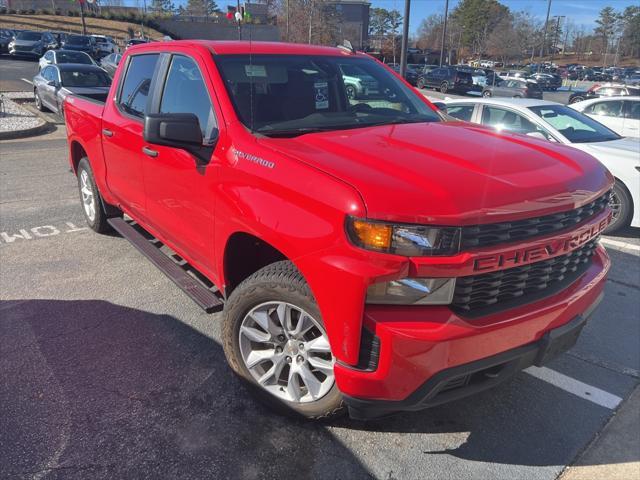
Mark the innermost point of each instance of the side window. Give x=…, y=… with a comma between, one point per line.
x=135, y=88
x=509, y=121
x=632, y=110
x=48, y=56
x=437, y=72
x=606, y=109
x=185, y=92
x=461, y=112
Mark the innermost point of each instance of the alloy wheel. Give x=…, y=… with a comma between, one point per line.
x=88, y=198
x=287, y=352
x=615, y=203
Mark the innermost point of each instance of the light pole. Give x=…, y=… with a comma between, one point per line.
x=405, y=38
x=444, y=30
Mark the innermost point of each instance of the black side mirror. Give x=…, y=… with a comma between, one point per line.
x=180, y=130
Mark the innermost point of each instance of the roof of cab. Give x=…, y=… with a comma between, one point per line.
x=225, y=47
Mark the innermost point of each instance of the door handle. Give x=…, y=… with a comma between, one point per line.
x=148, y=151
x=107, y=133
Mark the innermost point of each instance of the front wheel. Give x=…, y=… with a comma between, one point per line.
x=576, y=99
x=275, y=340
x=420, y=83
x=486, y=94
x=351, y=92
x=38, y=101
x=621, y=206
x=444, y=87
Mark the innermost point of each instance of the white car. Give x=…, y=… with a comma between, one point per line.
x=106, y=45
x=559, y=123
x=620, y=114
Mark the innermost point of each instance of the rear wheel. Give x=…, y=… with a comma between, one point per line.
x=621, y=205
x=420, y=83
x=350, y=91
x=486, y=93
x=275, y=340
x=92, y=204
x=517, y=96
x=576, y=99
x=444, y=87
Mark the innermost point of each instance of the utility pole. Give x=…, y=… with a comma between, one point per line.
x=444, y=31
x=84, y=25
x=287, y=28
x=405, y=38
x=555, y=36
x=544, y=36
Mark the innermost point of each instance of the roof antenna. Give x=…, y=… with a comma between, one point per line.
x=251, y=84
x=347, y=47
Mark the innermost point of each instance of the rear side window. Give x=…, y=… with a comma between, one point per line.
x=186, y=92
x=135, y=88
x=461, y=112
x=606, y=109
x=633, y=110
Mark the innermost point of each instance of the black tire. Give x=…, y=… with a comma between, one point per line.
x=99, y=222
x=350, y=90
x=487, y=94
x=38, y=101
x=517, y=96
x=280, y=281
x=444, y=87
x=622, y=206
x=420, y=83
x=576, y=99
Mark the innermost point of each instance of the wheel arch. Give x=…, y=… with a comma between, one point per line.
x=245, y=254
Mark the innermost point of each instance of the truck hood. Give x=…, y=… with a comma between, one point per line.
x=451, y=173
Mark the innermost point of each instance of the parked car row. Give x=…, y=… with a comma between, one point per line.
x=28, y=43
x=558, y=123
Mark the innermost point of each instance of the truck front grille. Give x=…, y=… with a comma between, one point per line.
x=488, y=293
x=505, y=232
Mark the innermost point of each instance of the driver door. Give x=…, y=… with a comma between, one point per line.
x=180, y=187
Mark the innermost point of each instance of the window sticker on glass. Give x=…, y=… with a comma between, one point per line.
x=322, y=95
x=255, y=70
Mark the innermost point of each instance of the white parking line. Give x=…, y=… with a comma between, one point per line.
x=576, y=387
x=28, y=81
x=619, y=244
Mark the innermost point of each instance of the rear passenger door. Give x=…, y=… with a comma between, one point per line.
x=123, y=124
x=181, y=187
x=631, y=118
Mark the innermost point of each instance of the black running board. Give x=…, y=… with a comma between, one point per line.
x=207, y=299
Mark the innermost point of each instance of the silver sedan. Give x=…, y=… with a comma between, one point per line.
x=54, y=57
x=52, y=85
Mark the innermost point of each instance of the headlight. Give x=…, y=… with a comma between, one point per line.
x=412, y=291
x=403, y=239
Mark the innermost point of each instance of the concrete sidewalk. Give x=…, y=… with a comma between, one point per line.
x=615, y=454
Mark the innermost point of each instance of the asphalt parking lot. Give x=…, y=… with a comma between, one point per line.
x=109, y=371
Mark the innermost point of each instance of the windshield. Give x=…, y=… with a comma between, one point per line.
x=289, y=95
x=575, y=126
x=78, y=40
x=88, y=78
x=73, y=57
x=29, y=36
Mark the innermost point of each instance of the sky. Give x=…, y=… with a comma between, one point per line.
x=581, y=12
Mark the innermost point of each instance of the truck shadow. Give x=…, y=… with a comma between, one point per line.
x=95, y=390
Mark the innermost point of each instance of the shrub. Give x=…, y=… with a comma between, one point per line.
x=31, y=11
x=12, y=11
x=3, y=10
x=58, y=12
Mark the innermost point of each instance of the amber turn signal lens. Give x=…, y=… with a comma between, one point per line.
x=376, y=236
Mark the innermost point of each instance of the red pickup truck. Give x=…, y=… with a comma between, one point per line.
x=367, y=251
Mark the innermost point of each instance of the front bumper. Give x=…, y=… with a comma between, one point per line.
x=425, y=349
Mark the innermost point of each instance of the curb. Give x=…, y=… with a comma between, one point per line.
x=27, y=132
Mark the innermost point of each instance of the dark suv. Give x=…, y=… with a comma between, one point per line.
x=447, y=79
